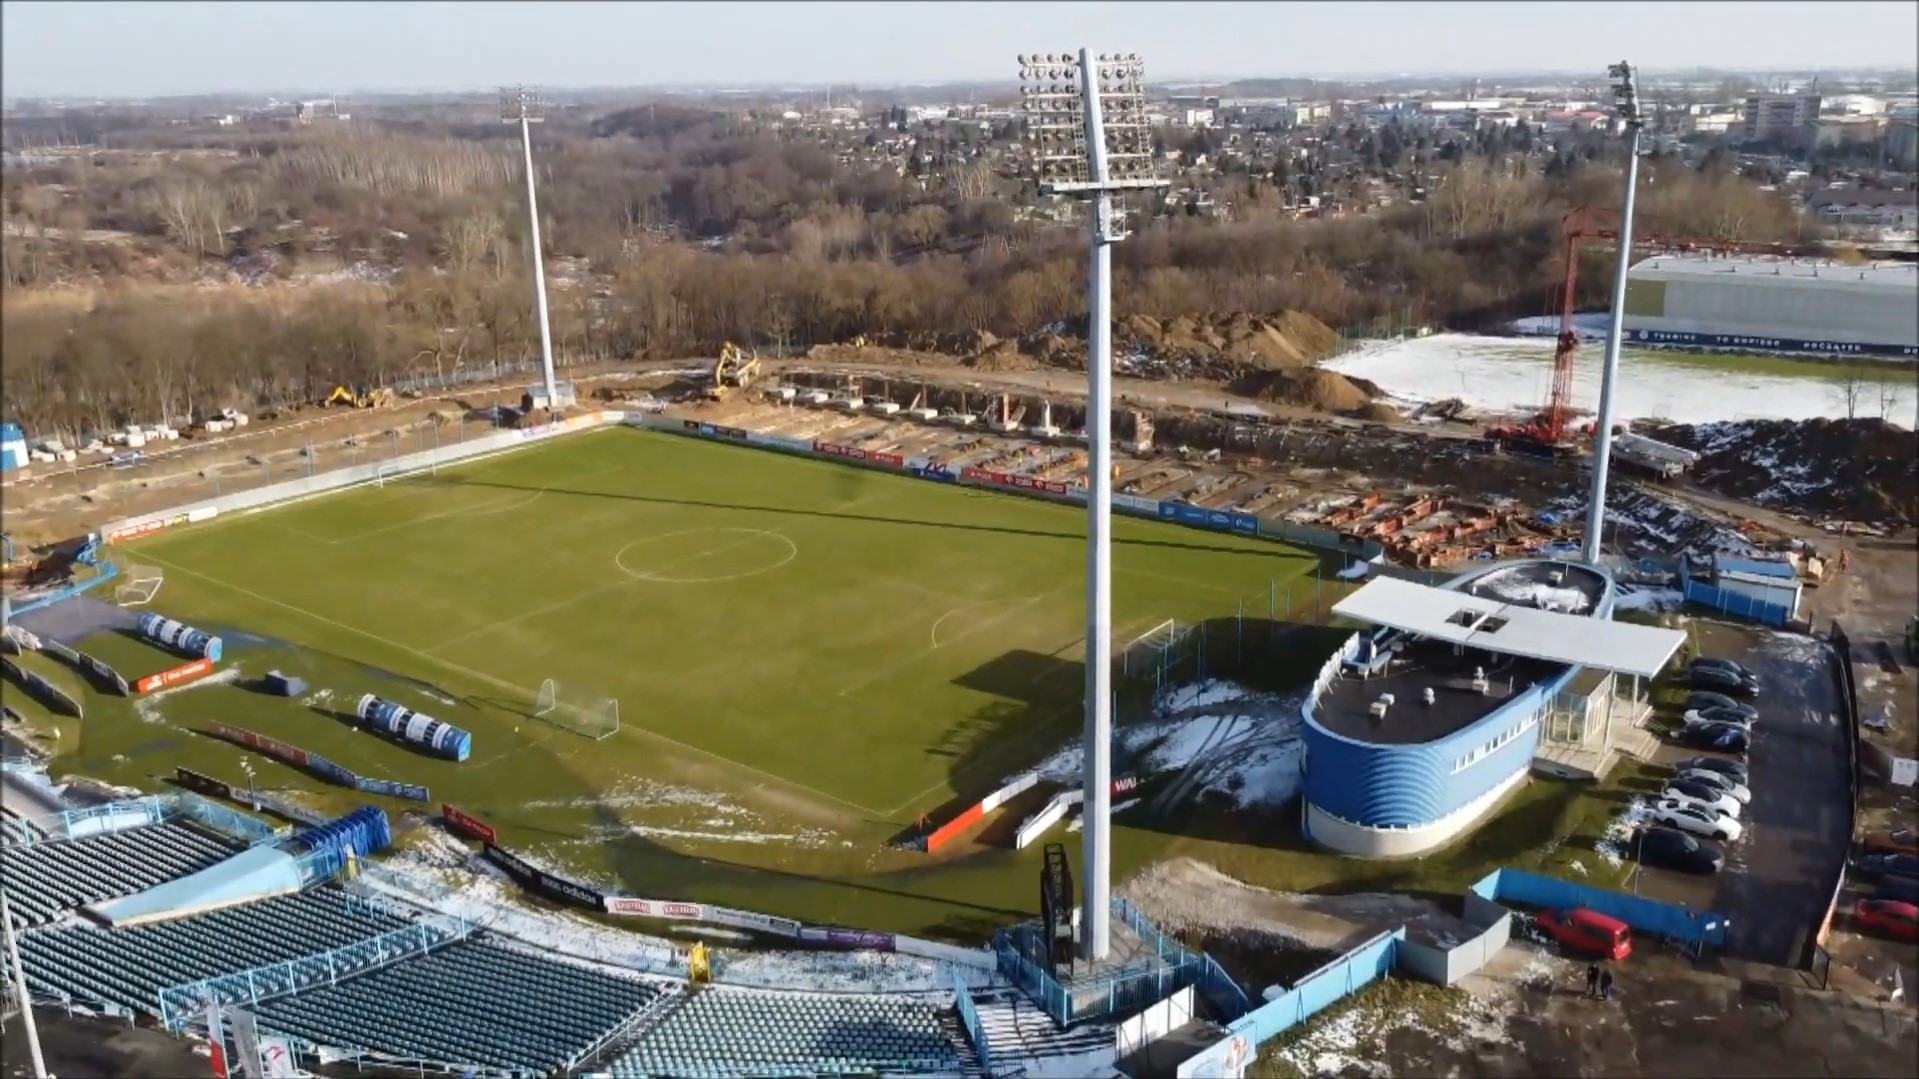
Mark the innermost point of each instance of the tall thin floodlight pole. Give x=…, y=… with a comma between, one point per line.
x=20, y=991
x=524, y=105
x=1625, y=106
x=1083, y=152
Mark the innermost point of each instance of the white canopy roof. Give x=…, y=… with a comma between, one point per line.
x=1507, y=629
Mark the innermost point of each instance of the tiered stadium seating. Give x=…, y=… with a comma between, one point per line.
x=1015, y=1027
x=472, y=1003
x=722, y=1033
x=129, y=966
x=48, y=878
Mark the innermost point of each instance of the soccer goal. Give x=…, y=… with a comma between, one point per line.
x=586, y=712
x=138, y=585
x=387, y=472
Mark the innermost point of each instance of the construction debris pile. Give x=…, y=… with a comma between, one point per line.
x=1864, y=470
x=1429, y=530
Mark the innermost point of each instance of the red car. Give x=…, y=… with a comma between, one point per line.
x=1587, y=932
x=1888, y=918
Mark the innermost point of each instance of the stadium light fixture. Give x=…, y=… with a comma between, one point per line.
x=1625, y=88
x=1089, y=138
x=524, y=105
x=23, y=997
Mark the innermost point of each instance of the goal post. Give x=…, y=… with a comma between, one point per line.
x=137, y=584
x=582, y=711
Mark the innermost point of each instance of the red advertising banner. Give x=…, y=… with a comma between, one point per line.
x=890, y=460
x=984, y=476
x=185, y=672
x=853, y=453
x=471, y=827
x=144, y=528
x=652, y=908
x=272, y=747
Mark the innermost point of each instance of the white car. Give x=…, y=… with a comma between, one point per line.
x=1717, y=781
x=1701, y=716
x=1697, y=821
x=1724, y=803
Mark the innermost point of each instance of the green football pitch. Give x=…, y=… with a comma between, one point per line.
x=837, y=640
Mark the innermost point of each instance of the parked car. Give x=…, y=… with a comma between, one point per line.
x=1720, y=680
x=1902, y=841
x=1886, y=918
x=1701, y=699
x=1695, y=820
x=1716, y=736
x=1587, y=932
x=1720, y=715
x=1707, y=798
x=1716, y=781
x=1887, y=865
x=1898, y=889
x=1725, y=766
x=1721, y=664
x=1664, y=848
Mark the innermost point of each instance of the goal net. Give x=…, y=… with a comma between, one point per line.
x=581, y=711
x=138, y=584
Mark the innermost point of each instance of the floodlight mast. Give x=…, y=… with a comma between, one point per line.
x=523, y=105
x=1625, y=89
x=1079, y=152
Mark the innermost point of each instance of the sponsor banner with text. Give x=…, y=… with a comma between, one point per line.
x=135, y=531
x=272, y=747
x=829, y=449
x=890, y=460
x=732, y=433
x=542, y=882
x=185, y=672
x=797, y=445
x=410, y=791
x=691, y=425
x=1186, y=513
x=200, y=783
x=1133, y=502
x=467, y=825
x=746, y=919
x=851, y=939
x=653, y=908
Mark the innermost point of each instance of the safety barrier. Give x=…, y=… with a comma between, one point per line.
x=1446, y=966
x=969, y=1022
x=1697, y=930
x=539, y=881
x=1839, y=655
x=315, y=765
x=329, y=847
x=1313, y=994
x=138, y=813
x=48, y=694
x=1140, y=983
x=1036, y=825
x=181, y=1004
x=101, y=674
x=976, y=812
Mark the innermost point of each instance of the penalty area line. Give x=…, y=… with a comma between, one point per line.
x=500, y=683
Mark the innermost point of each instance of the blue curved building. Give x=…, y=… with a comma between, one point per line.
x=1421, y=725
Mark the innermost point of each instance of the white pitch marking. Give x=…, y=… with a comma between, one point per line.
x=752, y=534
x=892, y=669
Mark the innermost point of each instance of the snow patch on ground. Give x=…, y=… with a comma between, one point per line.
x=439, y=873
x=147, y=705
x=1096, y=1062
x=1352, y=1041
x=1650, y=599
x=685, y=814
x=1515, y=374
x=1616, y=845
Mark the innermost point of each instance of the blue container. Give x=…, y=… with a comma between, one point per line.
x=180, y=637
x=403, y=723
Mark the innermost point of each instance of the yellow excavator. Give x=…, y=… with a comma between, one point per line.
x=734, y=370
x=359, y=397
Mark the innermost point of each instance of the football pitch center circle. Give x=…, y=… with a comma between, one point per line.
x=754, y=551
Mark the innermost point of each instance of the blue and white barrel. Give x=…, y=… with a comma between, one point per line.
x=399, y=721
x=180, y=637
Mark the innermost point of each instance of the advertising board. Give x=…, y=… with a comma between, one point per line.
x=936, y=473
x=830, y=449
x=272, y=747
x=653, y=908
x=467, y=825
x=185, y=672
x=1186, y=513
x=890, y=460
x=135, y=531
x=411, y=791
x=1135, y=503
x=542, y=882
x=746, y=919
x=200, y=783
x=851, y=939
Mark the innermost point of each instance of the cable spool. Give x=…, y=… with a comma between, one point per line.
x=180, y=637
x=399, y=721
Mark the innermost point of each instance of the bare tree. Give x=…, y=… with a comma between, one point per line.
x=1852, y=390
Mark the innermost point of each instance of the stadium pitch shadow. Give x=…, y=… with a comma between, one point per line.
x=960, y=526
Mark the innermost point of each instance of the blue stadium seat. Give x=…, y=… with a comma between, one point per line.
x=722, y=1033
x=47, y=879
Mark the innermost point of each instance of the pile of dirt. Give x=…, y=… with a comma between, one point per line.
x=1860, y=470
x=1376, y=411
x=1313, y=387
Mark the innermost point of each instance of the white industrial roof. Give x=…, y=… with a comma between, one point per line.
x=1512, y=630
x=1774, y=267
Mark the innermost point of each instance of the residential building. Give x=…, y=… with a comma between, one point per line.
x=1902, y=144
x=1778, y=117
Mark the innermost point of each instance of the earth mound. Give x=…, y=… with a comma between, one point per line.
x=1859, y=469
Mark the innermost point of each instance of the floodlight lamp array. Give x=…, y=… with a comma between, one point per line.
x=521, y=103
x=1052, y=94
x=1625, y=93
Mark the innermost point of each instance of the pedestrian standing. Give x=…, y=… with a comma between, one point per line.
x=1592, y=980
x=1605, y=984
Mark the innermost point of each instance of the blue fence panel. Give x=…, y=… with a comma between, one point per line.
x=1695, y=928
x=969, y=1018
x=250, y=830
x=1737, y=604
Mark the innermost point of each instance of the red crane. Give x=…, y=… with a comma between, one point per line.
x=1547, y=433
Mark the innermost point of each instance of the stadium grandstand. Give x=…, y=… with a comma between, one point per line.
x=158, y=909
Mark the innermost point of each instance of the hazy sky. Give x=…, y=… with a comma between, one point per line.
x=129, y=49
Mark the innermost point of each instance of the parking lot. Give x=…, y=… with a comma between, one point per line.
x=1778, y=876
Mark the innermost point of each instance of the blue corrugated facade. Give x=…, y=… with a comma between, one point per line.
x=1404, y=786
